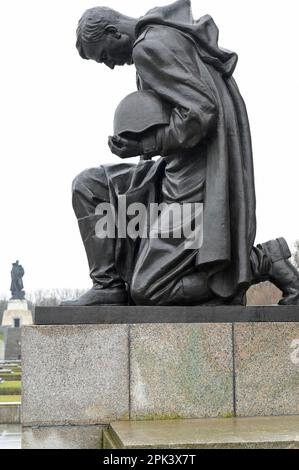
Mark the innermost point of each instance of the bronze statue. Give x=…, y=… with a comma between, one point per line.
x=203, y=139
x=16, y=287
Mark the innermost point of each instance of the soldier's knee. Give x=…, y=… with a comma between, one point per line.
x=143, y=294
x=139, y=293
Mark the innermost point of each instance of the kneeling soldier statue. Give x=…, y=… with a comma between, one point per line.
x=188, y=111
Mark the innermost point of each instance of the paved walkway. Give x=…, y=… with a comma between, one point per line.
x=10, y=436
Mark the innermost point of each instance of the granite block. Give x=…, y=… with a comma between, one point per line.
x=267, y=369
x=74, y=374
x=181, y=371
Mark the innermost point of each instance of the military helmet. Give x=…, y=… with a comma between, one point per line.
x=139, y=111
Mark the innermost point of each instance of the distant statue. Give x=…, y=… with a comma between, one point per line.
x=17, y=286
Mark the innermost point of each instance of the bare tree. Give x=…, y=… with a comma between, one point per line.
x=45, y=297
x=3, y=305
x=53, y=297
x=295, y=256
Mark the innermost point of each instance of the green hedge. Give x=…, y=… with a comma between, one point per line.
x=11, y=391
x=9, y=374
x=10, y=377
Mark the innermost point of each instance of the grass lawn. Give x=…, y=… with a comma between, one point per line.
x=10, y=398
x=10, y=384
x=10, y=390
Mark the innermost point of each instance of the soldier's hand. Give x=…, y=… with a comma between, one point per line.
x=124, y=148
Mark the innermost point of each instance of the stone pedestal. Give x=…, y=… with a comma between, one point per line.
x=163, y=363
x=12, y=344
x=17, y=310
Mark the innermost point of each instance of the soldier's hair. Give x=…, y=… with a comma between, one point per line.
x=91, y=26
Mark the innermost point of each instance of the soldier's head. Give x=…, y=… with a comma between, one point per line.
x=106, y=36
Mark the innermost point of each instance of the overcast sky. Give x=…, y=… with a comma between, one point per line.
x=57, y=111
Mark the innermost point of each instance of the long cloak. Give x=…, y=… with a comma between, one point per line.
x=209, y=114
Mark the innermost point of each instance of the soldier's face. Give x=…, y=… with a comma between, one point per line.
x=110, y=51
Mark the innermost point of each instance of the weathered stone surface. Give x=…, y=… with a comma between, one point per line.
x=74, y=374
x=95, y=374
x=181, y=371
x=267, y=369
x=108, y=441
x=10, y=413
x=12, y=344
x=233, y=433
x=62, y=437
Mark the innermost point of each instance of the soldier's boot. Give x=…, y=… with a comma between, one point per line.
x=270, y=262
x=108, y=288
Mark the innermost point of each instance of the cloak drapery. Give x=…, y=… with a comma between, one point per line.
x=209, y=113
